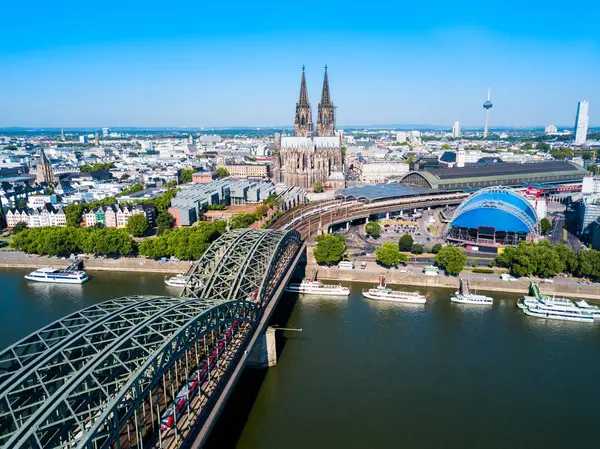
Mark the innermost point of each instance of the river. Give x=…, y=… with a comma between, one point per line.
x=365, y=374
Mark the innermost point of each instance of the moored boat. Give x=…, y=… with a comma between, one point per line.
x=58, y=276
x=178, y=281
x=314, y=287
x=384, y=293
x=464, y=296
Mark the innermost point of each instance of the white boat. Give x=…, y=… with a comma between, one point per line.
x=314, y=287
x=431, y=270
x=594, y=310
x=383, y=293
x=178, y=281
x=544, y=308
x=58, y=276
x=464, y=296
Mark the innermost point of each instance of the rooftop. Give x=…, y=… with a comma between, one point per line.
x=380, y=192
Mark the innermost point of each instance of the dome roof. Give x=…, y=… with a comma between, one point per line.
x=497, y=207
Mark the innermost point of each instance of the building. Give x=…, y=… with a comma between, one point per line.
x=551, y=129
x=381, y=172
x=304, y=159
x=202, y=177
x=83, y=139
x=487, y=174
x=248, y=171
x=487, y=106
x=401, y=136
x=105, y=132
x=44, y=169
x=456, y=130
x=581, y=122
x=36, y=218
x=595, y=234
x=588, y=206
x=494, y=217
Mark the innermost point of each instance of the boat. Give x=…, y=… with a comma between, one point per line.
x=58, y=276
x=176, y=281
x=383, y=293
x=431, y=270
x=550, y=309
x=594, y=310
x=315, y=287
x=464, y=296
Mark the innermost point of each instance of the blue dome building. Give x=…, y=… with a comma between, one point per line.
x=495, y=217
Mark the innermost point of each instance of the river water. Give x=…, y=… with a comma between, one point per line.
x=366, y=374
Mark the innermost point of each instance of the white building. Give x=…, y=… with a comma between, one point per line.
x=105, y=132
x=401, y=136
x=381, y=172
x=581, y=122
x=551, y=129
x=82, y=139
x=456, y=130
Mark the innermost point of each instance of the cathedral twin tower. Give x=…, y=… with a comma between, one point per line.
x=303, y=125
x=309, y=157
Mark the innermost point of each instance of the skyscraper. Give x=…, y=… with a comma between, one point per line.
x=581, y=122
x=456, y=130
x=487, y=106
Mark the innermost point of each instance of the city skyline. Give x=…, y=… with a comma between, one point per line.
x=136, y=67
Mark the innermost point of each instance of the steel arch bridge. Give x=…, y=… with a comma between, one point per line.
x=106, y=376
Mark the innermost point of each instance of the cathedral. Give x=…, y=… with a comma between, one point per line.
x=308, y=157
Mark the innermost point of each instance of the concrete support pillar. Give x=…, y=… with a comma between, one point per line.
x=367, y=220
x=387, y=215
x=264, y=352
x=347, y=226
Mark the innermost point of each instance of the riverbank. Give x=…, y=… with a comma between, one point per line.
x=477, y=282
x=18, y=259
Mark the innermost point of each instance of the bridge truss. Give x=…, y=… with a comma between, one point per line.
x=106, y=375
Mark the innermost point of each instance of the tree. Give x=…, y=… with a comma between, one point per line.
x=388, y=254
x=20, y=226
x=318, y=187
x=373, y=228
x=436, y=248
x=164, y=221
x=186, y=175
x=545, y=226
x=21, y=203
x=417, y=249
x=542, y=146
x=73, y=213
x=222, y=172
x=406, y=242
x=124, y=177
x=10, y=147
x=239, y=221
x=568, y=257
x=452, y=259
x=171, y=184
x=330, y=249
x=593, y=168
x=445, y=146
x=137, y=225
x=134, y=188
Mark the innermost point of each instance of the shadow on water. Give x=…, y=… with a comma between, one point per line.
x=232, y=420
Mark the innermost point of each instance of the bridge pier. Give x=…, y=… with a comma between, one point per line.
x=264, y=352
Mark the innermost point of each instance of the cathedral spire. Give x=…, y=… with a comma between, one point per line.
x=326, y=112
x=303, y=125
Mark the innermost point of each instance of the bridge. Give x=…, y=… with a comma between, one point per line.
x=147, y=371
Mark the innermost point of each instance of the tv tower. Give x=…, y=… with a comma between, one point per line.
x=487, y=106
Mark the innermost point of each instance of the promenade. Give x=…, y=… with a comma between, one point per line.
x=18, y=259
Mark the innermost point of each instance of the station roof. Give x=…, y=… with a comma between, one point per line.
x=379, y=192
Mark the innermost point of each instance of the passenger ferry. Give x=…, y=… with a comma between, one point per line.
x=594, y=310
x=464, y=296
x=550, y=309
x=383, y=293
x=58, y=276
x=431, y=270
x=176, y=281
x=314, y=287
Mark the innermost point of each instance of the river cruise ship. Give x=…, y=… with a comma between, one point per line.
x=594, y=310
x=314, y=287
x=550, y=309
x=464, y=296
x=58, y=276
x=383, y=293
x=178, y=281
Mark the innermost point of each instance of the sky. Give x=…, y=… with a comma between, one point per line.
x=197, y=64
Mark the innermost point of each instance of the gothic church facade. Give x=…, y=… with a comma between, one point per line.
x=308, y=157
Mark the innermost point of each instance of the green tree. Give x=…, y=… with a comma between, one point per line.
x=436, y=248
x=445, y=146
x=330, y=249
x=186, y=175
x=21, y=203
x=542, y=146
x=137, y=225
x=545, y=226
x=405, y=243
x=593, y=168
x=372, y=228
x=134, y=188
x=568, y=257
x=171, y=184
x=239, y=221
x=73, y=213
x=417, y=249
x=20, y=226
x=164, y=221
x=222, y=172
x=318, y=187
x=588, y=263
x=452, y=259
x=10, y=147
x=389, y=255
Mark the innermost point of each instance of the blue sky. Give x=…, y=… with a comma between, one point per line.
x=131, y=63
